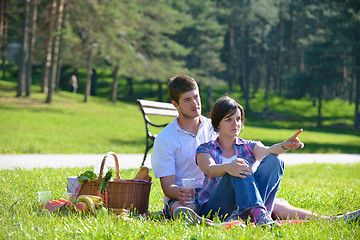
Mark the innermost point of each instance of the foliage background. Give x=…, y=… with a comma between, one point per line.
x=291, y=48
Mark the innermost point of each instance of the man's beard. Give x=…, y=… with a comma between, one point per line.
x=188, y=115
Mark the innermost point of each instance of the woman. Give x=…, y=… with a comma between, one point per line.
x=231, y=186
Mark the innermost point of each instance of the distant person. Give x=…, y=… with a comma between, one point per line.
x=230, y=184
x=73, y=83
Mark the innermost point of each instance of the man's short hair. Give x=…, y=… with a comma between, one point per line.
x=179, y=85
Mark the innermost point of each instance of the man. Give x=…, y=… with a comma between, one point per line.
x=173, y=155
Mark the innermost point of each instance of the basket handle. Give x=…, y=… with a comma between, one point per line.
x=117, y=168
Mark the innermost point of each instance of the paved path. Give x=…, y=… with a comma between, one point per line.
x=127, y=161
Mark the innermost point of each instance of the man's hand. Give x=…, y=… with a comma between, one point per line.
x=293, y=142
x=184, y=196
x=173, y=191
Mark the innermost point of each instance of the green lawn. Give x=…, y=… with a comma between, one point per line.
x=68, y=125
x=323, y=188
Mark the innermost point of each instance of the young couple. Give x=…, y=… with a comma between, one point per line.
x=209, y=150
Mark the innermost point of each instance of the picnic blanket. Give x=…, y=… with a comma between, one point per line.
x=239, y=223
x=74, y=186
x=160, y=216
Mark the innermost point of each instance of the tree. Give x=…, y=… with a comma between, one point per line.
x=329, y=49
x=249, y=24
x=206, y=37
x=3, y=36
x=118, y=48
x=163, y=55
x=293, y=47
x=350, y=14
x=55, y=52
x=24, y=51
x=31, y=47
x=2, y=21
x=48, y=48
x=89, y=72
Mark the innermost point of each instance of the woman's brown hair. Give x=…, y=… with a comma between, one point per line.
x=223, y=107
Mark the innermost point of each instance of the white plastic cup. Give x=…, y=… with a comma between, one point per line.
x=189, y=184
x=44, y=197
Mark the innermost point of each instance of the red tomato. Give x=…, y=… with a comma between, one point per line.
x=81, y=206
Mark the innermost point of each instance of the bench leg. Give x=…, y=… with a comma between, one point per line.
x=142, y=164
x=148, y=147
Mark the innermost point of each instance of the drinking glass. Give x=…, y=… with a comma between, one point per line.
x=189, y=184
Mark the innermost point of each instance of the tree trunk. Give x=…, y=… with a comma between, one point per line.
x=55, y=53
x=300, y=54
x=319, y=120
x=246, y=63
x=289, y=41
x=357, y=92
x=31, y=48
x=115, y=84
x=160, y=93
x=209, y=93
x=268, y=68
x=256, y=82
x=58, y=71
x=231, y=57
x=280, y=56
x=48, y=49
x=24, y=52
x=243, y=59
x=3, y=48
x=56, y=45
x=2, y=9
x=93, y=88
x=247, y=87
x=130, y=86
x=59, y=67
x=88, y=76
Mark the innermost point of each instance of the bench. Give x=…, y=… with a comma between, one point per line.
x=158, y=109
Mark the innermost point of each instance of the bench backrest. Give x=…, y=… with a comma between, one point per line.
x=157, y=108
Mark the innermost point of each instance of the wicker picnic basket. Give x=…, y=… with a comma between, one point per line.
x=121, y=193
x=92, y=187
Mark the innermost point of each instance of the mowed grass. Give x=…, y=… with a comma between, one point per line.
x=322, y=188
x=28, y=125
x=70, y=126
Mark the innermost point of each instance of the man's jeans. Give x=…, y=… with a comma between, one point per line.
x=256, y=190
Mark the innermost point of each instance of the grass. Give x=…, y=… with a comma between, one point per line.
x=68, y=125
x=323, y=188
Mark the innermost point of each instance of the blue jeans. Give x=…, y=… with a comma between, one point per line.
x=256, y=190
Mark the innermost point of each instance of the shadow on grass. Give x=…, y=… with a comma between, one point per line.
x=138, y=143
x=324, y=148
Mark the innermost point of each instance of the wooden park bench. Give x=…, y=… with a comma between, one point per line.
x=154, y=108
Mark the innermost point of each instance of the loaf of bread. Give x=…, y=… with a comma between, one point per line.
x=143, y=174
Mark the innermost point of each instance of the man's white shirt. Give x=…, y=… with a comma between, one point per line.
x=174, y=151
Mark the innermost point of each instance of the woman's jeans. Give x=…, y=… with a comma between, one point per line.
x=256, y=190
